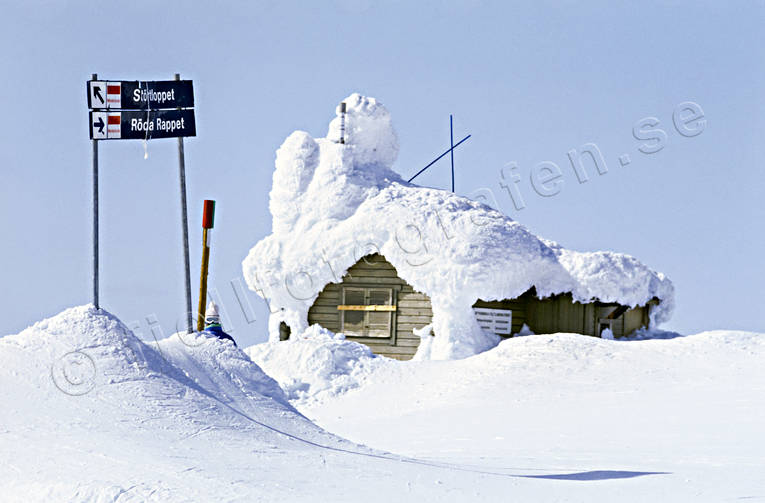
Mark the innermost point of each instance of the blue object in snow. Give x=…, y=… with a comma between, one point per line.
x=217, y=331
x=212, y=323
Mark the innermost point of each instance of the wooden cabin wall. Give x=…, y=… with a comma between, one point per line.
x=324, y=309
x=414, y=312
x=413, y=308
x=635, y=318
x=558, y=313
x=589, y=319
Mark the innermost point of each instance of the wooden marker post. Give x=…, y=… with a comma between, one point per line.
x=208, y=220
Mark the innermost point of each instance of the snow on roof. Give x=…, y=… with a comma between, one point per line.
x=334, y=203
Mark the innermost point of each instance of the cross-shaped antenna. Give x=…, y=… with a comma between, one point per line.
x=451, y=144
x=450, y=151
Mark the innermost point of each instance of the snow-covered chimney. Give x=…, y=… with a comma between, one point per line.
x=342, y=122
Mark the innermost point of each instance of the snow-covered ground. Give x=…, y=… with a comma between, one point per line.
x=681, y=419
x=90, y=413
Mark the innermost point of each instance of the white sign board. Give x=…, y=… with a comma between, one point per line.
x=499, y=321
x=102, y=94
x=97, y=94
x=98, y=123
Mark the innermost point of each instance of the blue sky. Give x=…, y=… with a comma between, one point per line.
x=529, y=81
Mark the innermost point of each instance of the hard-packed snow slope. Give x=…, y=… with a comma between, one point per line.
x=90, y=413
x=332, y=203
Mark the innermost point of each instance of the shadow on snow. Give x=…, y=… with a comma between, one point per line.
x=594, y=475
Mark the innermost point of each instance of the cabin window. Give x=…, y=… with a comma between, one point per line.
x=367, y=312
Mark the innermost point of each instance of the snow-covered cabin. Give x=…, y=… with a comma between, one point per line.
x=413, y=270
x=374, y=306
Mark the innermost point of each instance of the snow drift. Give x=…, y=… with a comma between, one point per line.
x=92, y=351
x=334, y=203
x=316, y=365
x=90, y=413
x=691, y=408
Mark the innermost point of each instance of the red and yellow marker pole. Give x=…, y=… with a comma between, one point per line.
x=208, y=219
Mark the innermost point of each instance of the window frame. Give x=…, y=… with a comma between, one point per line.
x=392, y=291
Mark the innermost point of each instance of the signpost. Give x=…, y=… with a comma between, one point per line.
x=185, y=224
x=95, y=220
x=142, y=110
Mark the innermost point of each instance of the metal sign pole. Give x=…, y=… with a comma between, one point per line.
x=95, y=218
x=185, y=218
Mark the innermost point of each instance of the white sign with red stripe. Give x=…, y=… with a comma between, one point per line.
x=103, y=94
x=113, y=95
x=106, y=125
x=113, y=125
